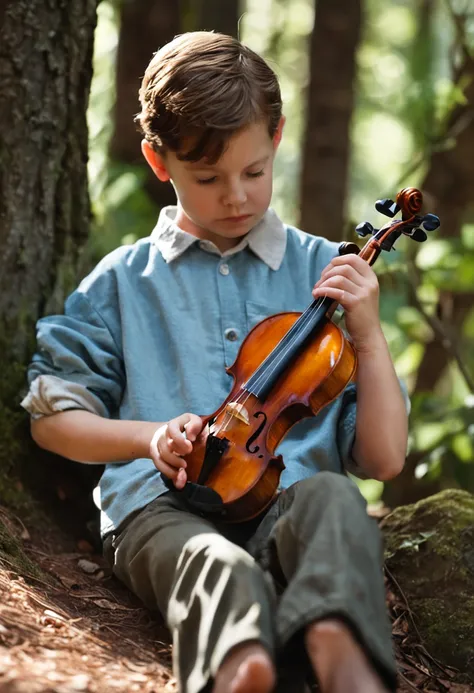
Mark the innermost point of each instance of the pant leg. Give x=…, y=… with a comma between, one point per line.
x=328, y=551
x=211, y=591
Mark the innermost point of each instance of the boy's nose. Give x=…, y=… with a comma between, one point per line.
x=235, y=195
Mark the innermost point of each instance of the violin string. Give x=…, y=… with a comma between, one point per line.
x=281, y=349
x=279, y=352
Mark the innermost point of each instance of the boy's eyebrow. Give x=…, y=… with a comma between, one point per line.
x=199, y=166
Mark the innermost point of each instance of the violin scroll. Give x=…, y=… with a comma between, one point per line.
x=409, y=201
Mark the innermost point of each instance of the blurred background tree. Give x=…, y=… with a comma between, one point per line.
x=378, y=94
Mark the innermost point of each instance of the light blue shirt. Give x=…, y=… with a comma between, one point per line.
x=149, y=333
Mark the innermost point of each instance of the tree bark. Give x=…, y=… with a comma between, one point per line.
x=326, y=147
x=215, y=15
x=45, y=72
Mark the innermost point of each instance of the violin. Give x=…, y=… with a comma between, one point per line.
x=289, y=367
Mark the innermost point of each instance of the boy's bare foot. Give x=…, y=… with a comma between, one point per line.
x=246, y=669
x=338, y=661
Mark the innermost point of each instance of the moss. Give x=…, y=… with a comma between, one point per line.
x=13, y=556
x=453, y=645
x=450, y=511
x=430, y=551
x=15, y=441
x=13, y=434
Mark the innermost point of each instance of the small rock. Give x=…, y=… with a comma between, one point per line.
x=88, y=566
x=80, y=682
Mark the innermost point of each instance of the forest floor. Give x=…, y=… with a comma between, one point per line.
x=78, y=629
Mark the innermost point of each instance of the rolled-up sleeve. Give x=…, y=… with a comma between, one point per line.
x=347, y=427
x=78, y=364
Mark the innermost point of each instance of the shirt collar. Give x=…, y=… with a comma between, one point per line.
x=267, y=239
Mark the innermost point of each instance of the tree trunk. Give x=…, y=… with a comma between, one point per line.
x=218, y=16
x=145, y=26
x=45, y=72
x=330, y=101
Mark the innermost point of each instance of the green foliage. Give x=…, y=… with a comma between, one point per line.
x=122, y=210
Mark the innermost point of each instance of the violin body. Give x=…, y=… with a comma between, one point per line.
x=248, y=473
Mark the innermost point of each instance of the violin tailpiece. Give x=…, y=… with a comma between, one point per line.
x=215, y=448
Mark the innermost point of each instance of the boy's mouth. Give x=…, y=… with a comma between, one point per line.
x=235, y=220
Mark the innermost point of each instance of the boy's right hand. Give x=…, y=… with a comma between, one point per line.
x=170, y=442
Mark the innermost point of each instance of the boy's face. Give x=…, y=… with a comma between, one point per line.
x=223, y=201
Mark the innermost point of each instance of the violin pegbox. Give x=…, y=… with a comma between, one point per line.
x=412, y=224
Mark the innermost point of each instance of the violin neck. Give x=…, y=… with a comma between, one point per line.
x=285, y=352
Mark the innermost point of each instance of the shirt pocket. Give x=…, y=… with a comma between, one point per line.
x=256, y=312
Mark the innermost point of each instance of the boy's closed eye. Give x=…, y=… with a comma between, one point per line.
x=212, y=179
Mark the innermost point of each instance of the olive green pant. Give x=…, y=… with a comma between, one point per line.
x=315, y=554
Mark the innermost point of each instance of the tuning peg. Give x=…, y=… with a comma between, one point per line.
x=430, y=222
x=364, y=229
x=387, y=207
x=417, y=234
x=348, y=248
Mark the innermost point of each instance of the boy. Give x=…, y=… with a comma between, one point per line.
x=141, y=351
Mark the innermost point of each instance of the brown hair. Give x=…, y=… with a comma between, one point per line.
x=201, y=88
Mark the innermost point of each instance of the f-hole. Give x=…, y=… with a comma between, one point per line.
x=255, y=434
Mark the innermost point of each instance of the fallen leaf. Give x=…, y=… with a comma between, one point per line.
x=114, y=606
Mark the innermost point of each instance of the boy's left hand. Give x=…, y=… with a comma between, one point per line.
x=352, y=282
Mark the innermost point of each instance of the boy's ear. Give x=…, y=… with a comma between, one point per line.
x=155, y=161
x=279, y=132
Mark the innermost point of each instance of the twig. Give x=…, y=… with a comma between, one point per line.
x=439, y=330
x=421, y=646
x=391, y=576
x=10, y=515
x=408, y=682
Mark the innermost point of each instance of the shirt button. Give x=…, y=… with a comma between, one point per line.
x=231, y=334
x=224, y=269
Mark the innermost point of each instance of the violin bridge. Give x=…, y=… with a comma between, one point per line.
x=238, y=411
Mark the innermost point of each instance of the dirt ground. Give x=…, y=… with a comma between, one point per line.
x=79, y=629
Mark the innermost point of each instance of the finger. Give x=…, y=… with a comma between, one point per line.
x=338, y=282
x=177, y=440
x=189, y=424
x=345, y=271
x=194, y=427
x=167, y=455
x=181, y=479
x=339, y=295
x=354, y=261
x=166, y=469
